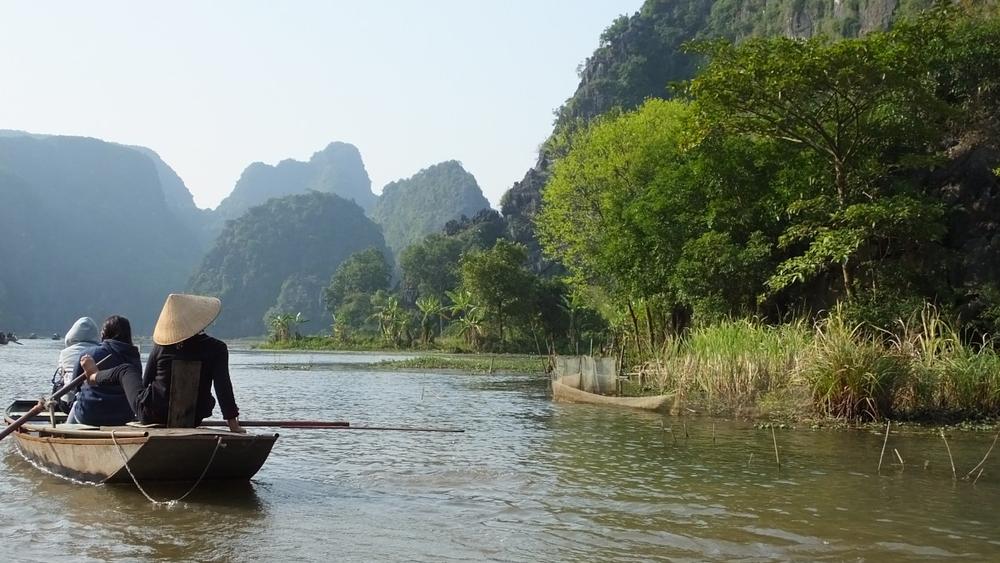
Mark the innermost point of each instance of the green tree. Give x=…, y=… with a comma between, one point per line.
x=363, y=272
x=348, y=296
x=862, y=109
x=498, y=279
x=430, y=267
x=634, y=190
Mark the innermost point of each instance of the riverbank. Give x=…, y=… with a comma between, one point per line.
x=797, y=371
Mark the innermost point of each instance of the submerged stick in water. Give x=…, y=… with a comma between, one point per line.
x=980, y=464
x=884, y=442
x=775, y=440
x=954, y=475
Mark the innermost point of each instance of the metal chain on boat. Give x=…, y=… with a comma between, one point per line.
x=121, y=452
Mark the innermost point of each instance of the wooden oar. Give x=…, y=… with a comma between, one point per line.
x=282, y=423
x=325, y=425
x=41, y=404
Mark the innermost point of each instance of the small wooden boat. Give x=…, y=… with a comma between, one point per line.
x=565, y=389
x=106, y=454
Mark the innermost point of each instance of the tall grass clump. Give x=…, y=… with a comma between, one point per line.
x=851, y=372
x=733, y=363
x=949, y=377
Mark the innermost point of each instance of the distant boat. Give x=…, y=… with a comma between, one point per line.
x=564, y=391
x=55, y=336
x=576, y=378
x=106, y=454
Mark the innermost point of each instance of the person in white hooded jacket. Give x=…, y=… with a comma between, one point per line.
x=83, y=335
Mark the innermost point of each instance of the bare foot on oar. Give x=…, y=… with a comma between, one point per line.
x=89, y=367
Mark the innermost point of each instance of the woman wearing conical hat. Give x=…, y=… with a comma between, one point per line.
x=178, y=335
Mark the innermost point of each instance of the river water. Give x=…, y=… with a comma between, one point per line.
x=529, y=480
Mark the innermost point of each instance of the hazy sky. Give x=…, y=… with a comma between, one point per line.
x=214, y=86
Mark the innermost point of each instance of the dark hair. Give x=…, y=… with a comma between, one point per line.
x=117, y=328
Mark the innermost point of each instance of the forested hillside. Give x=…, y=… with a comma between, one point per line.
x=411, y=208
x=278, y=257
x=86, y=230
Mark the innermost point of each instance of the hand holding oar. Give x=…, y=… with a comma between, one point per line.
x=41, y=404
x=326, y=425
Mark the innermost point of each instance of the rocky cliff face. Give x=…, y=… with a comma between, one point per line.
x=179, y=199
x=337, y=169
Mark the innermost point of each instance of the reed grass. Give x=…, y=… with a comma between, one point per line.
x=732, y=363
x=920, y=368
x=852, y=374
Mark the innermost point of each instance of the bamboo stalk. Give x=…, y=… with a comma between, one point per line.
x=884, y=442
x=749, y=460
x=976, y=480
x=980, y=464
x=954, y=475
x=902, y=465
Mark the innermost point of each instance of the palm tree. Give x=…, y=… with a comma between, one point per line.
x=283, y=326
x=461, y=302
x=429, y=307
x=471, y=326
x=391, y=320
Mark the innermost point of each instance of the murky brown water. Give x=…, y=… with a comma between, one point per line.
x=529, y=481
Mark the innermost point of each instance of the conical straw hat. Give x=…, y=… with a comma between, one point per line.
x=184, y=316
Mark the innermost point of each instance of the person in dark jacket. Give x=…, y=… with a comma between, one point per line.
x=107, y=405
x=178, y=335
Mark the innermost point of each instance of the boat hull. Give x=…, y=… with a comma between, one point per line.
x=566, y=394
x=99, y=455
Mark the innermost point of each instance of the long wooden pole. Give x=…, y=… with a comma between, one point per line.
x=325, y=425
x=41, y=404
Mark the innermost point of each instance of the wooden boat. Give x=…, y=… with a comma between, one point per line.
x=106, y=454
x=564, y=389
